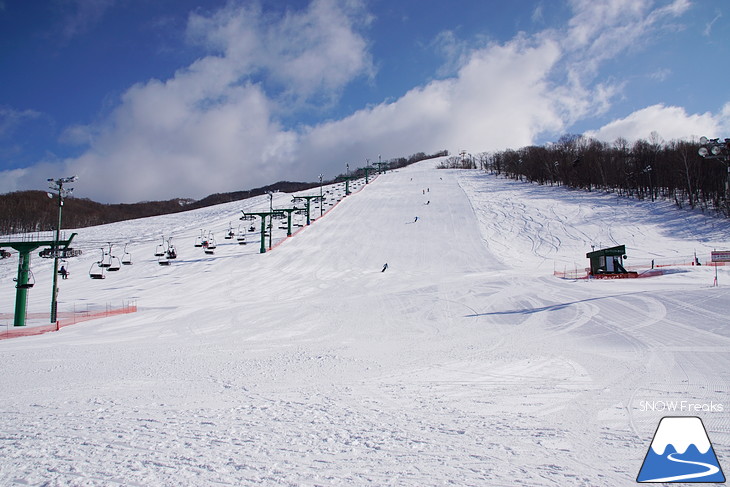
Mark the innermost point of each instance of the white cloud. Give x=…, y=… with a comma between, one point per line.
x=671, y=123
x=215, y=125
x=317, y=51
x=499, y=98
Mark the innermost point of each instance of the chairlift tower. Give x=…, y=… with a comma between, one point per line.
x=367, y=170
x=380, y=166
x=251, y=215
x=347, y=183
x=288, y=212
x=57, y=249
x=308, y=198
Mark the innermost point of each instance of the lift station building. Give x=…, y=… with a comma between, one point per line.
x=609, y=262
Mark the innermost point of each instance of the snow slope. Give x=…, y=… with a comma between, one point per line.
x=466, y=362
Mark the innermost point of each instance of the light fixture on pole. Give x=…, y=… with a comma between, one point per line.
x=714, y=149
x=56, y=186
x=321, y=199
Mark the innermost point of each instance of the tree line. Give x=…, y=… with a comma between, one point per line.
x=645, y=169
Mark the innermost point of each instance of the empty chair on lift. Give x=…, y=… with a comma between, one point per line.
x=241, y=236
x=160, y=251
x=127, y=257
x=96, y=271
x=106, y=259
x=28, y=284
x=114, y=264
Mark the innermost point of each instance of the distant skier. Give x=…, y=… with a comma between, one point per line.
x=428, y=202
x=414, y=221
x=385, y=267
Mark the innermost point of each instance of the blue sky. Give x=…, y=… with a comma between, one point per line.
x=183, y=98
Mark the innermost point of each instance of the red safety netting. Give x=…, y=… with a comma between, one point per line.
x=64, y=319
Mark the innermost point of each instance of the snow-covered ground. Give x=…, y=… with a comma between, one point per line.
x=466, y=362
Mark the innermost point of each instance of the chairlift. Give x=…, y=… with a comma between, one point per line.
x=210, y=247
x=27, y=285
x=106, y=258
x=160, y=251
x=199, y=239
x=114, y=264
x=96, y=271
x=127, y=257
x=230, y=233
x=163, y=260
x=171, y=253
x=63, y=269
x=241, y=236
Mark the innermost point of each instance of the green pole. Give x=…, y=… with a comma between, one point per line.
x=347, y=187
x=54, y=296
x=21, y=293
x=308, y=201
x=288, y=223
x=263, y=234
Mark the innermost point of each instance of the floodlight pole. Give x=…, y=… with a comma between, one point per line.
x=714, y=149
x=56, y=186
x=380, y=166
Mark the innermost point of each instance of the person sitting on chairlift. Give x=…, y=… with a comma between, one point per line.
x=63, y=272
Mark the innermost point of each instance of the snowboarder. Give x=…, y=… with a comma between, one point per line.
x=385, y=267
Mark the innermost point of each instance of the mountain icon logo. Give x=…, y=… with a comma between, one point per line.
x=680, y=452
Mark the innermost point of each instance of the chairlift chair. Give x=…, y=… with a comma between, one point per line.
x=114, y=264
x=163, y=260
x=199, y=239
x=171, y=253
x=27, y=285
x=96, y=271
x=63, y=263
x=241, y=236
x=230, y=233
x=127, y=257
x=160, y=251
x=106, y=259
x=209, y=249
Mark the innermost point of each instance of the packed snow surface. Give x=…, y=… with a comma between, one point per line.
x=465, y=362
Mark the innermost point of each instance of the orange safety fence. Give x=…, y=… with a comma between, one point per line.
x=646, y=270
x=64, y=319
